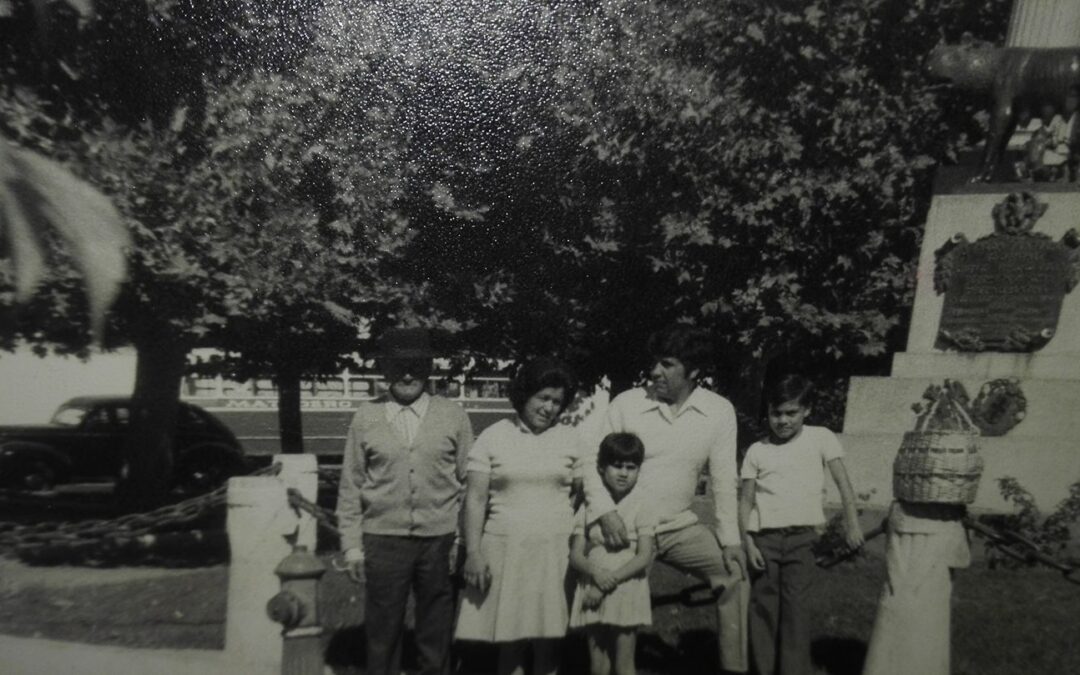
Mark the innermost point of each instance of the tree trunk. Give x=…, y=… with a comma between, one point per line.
x=290, y=422
x=748, y=395
x=621, y=381
x=159, y=368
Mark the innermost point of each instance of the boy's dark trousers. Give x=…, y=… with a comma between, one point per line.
x=779, y=617
x=393, y=566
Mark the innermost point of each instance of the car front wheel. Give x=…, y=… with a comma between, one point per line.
x=36, y=477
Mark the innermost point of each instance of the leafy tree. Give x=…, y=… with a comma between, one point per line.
x=760, y=169
x=242, y=201
x=572, y=176
x=473, y=90
x=310, y=225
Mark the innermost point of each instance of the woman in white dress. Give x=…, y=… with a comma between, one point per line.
x=522, y=476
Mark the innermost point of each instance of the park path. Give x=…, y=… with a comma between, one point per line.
x=34, y=656
x=15, y=575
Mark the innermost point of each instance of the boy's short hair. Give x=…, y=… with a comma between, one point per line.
x=620, y=447
x=791, y=387
x=690, y=345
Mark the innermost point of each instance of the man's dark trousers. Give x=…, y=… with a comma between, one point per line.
x=393, y=566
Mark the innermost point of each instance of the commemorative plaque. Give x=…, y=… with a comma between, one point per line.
x=1004, y=291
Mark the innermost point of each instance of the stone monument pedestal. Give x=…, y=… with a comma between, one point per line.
x=1009, y=301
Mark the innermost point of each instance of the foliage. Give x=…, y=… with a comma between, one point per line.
x=760, y=169
x=467, y=88
x=1052, y=533
x=532, y=178
x=240, y=179
x=767, y=168
x=255, y=226
x=306, y=223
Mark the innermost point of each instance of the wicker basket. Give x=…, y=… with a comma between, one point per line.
x=939, y=466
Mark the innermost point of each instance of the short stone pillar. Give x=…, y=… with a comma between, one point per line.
x=260, y=525
x=1002, y=293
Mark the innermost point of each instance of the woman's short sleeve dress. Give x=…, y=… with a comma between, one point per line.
x=629, y=604
x=526, y=540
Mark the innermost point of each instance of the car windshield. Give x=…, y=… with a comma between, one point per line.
x=68, y=416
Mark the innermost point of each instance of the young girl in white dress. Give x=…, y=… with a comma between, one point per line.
x=612, y=596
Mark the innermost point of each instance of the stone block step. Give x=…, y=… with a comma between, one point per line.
x=883, y=405
x=987, y=365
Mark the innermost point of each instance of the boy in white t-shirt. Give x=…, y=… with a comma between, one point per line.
x=781, y=513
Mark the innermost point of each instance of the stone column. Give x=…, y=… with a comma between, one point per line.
x=259, y=520
x=1044, y=24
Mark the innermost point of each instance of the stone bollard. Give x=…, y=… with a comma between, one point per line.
x=259, y=520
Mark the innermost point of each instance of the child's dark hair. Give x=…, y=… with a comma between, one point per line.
x=791, y=387
x=620, y=447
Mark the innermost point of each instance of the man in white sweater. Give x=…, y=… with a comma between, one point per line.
x=685, y=428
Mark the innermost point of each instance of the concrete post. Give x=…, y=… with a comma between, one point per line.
x=258, y=521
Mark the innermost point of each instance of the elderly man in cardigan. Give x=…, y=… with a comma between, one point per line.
x=398, y=505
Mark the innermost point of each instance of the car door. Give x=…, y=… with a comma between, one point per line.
x=102, y=442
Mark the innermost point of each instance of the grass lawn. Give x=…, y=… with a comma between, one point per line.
x=1004, y=622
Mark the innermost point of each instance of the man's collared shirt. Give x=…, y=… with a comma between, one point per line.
x=678, y=445
x=406, y=418
x=391, y=486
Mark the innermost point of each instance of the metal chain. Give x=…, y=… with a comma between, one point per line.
x=324, y=517
x=26, y=540
x=1019, y=547
x=1011, y=544
x=329, y=476
x=137, y=529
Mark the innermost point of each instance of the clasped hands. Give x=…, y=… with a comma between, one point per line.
x=600, y=583
x=477, y=573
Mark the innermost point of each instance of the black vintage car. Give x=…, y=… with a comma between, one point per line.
x=84, y=442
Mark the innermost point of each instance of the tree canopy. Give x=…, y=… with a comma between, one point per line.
x=259, y=220
x=531, y=177
x=760, y=169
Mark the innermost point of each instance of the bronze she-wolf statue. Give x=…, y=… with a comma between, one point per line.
x=1010, y=74
x=1040, y=62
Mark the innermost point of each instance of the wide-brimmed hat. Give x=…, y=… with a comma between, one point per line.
x=405, y=343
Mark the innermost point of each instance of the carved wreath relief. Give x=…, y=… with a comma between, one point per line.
x=1004, y=292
